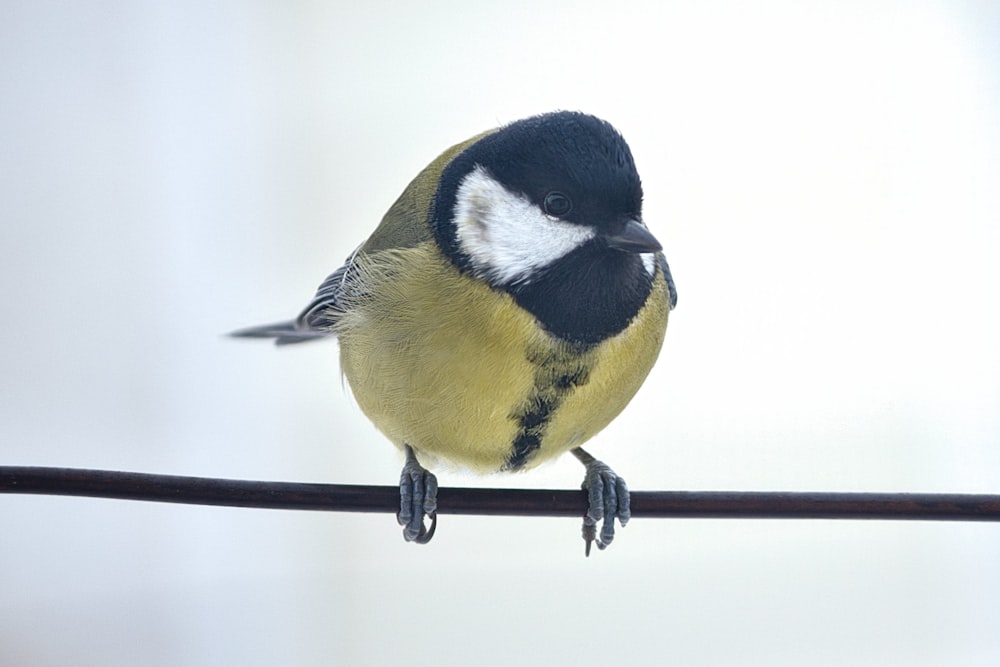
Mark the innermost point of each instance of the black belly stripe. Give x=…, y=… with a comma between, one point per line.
x=558, y=372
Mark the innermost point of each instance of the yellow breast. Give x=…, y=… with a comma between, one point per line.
x=458, y=371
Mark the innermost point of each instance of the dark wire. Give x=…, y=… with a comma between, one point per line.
x=509, y=502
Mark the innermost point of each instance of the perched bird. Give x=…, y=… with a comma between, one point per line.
x=506, y=309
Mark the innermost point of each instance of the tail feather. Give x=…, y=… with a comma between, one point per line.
x=283, y=333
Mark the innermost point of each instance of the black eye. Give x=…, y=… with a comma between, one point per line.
x=557, y=204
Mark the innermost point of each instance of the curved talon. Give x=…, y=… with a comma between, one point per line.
x=607, y=497
x=417, y=497
x=589, y=535
x=426, y=534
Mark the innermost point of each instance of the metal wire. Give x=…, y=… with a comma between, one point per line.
x=509, y=502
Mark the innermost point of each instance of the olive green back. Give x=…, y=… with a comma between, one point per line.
x=406, y=223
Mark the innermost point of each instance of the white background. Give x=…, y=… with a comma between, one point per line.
x=825, y=178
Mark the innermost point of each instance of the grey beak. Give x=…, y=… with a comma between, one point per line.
x=633, y=238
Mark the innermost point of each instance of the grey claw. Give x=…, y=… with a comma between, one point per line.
x=417, y=497
x=608, y=498
x=589, y=535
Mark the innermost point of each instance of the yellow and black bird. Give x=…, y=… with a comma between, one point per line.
x=506, y=309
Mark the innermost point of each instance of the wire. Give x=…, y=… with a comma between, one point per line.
x=508, y=502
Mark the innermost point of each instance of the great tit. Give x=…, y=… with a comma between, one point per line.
x=506, y=309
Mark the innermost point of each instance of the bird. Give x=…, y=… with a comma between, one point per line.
x=508, y=306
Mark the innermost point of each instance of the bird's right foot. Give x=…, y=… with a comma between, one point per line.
x=417, y=498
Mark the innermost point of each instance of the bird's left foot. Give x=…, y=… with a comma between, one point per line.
x=607, y=497
x=417, y=497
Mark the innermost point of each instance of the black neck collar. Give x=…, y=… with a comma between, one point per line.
x=587, y=296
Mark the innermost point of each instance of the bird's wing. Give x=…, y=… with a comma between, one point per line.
x=329, y=303
x=671, y=288
x=317, y=320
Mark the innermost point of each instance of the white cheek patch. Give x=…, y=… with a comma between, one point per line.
x=649, y=262
x=507, y=238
